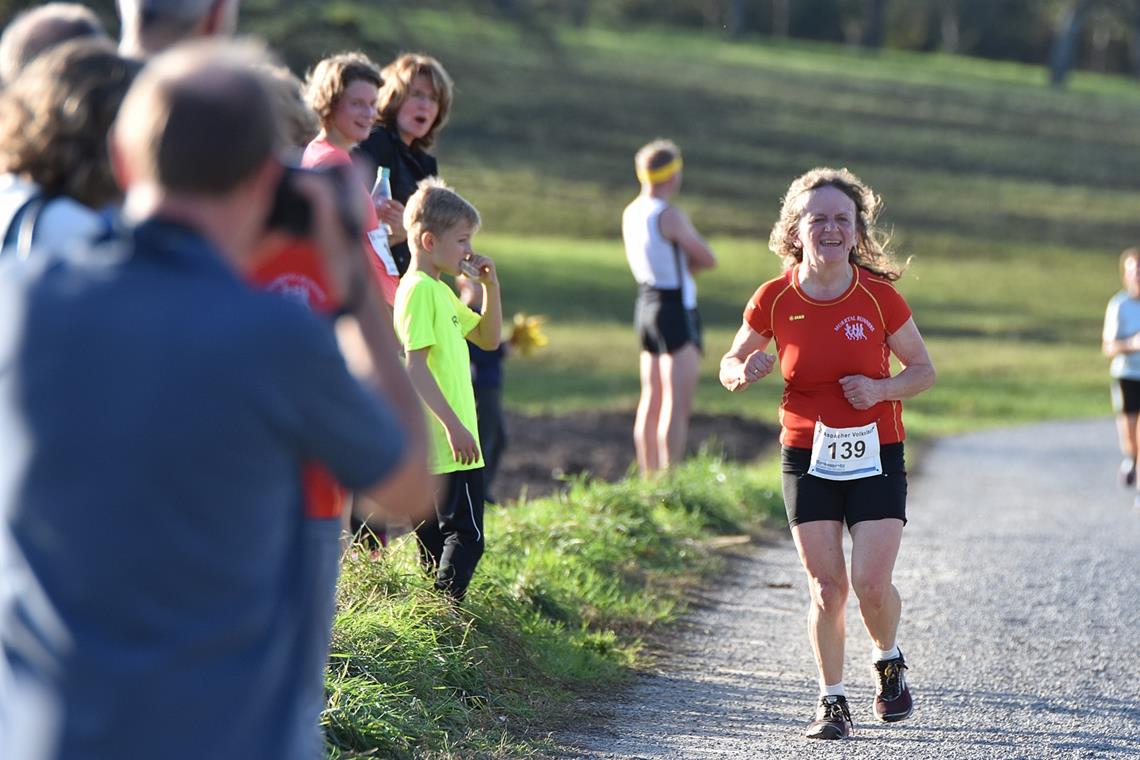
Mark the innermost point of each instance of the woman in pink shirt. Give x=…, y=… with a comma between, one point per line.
x=343, y=91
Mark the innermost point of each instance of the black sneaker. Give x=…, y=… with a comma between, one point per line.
x=892, y=697
x=832, y=719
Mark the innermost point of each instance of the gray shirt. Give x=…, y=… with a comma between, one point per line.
x=1122, y=320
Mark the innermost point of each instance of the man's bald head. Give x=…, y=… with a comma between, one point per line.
x=151, y=26
x=198, y=120
x=38, y=29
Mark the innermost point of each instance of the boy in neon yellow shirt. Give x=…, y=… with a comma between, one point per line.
x=434, y=327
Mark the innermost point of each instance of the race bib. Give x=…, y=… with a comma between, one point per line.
x=379, y=240
x=845, y=453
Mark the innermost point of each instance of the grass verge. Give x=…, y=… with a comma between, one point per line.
x=560, y=603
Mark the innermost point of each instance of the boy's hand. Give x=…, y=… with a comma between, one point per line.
x=486, y=267
x=463, y=446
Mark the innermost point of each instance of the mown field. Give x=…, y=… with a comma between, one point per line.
x=1013, y=199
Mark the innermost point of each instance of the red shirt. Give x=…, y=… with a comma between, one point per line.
x=321, y=153
x=819, y=342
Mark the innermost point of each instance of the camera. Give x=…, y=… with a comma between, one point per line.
x=291, y=212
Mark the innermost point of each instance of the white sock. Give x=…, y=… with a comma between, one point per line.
x=831, y=690
x=887, y=654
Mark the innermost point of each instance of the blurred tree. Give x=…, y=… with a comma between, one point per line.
x=781, y=17
x=874, y=24
x=1068, y=36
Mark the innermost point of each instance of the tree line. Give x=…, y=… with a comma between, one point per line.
x=1097, y=35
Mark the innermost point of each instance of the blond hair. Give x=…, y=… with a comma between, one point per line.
x=434, y=207
x=398, y=77
x=329, y=79
x=655, y=155
x=870, y=251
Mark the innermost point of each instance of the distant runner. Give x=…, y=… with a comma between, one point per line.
x=664, y=252
x=836, y=320
x=1122, y=343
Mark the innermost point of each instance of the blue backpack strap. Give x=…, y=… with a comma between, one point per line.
x=22, y=226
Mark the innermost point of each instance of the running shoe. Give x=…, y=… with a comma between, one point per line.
x=832, y=719
x=892, y=697
x=1127, y=472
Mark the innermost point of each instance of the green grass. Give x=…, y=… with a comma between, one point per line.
x=1013, y=198
x=558, y=607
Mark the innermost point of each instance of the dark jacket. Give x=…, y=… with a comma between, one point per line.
x=407, y=166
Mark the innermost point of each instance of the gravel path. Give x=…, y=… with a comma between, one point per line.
x=1020, y=578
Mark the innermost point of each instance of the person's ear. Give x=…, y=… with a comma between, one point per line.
x=427, y=240
x=120, y=166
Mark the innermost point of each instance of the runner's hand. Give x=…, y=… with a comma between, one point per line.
x=463, y=445
x=755, y=367
x=860, y=391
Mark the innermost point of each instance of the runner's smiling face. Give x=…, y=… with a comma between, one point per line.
x=827, y=230
x=419, y=110
x=354, y=113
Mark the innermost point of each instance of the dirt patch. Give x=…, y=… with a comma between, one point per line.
x=542, y=450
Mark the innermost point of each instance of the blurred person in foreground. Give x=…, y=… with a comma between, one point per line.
x=664, y=251
x=41, y=28
x=836, y=319
x=1121, y=342
x=156, y=413
x=57, y=182
x=151, y=26
x=415, y=102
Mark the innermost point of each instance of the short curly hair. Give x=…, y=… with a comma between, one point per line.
x=328, y=80
x=870, y=252
x=54, y=119
x=398, y=77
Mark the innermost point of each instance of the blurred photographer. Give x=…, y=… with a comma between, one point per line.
x=156, y=412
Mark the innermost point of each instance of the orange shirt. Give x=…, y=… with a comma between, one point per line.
x=819, y=342
x=320, y=153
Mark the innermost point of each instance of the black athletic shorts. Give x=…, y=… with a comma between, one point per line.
x=1126, y=396
x=663, y=323
x=808, y=498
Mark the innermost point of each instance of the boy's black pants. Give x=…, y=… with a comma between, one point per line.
x=451, y=545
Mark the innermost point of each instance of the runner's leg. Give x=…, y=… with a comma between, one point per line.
x=874, y=547
x=820, y=545
x=679, y=373
x=648, y=415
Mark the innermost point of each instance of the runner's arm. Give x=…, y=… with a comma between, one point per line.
x=917, y=374
x=745, y=362
x=676, y=228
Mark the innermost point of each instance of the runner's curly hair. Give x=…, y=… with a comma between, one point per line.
x=869, y=253
x=54, y=119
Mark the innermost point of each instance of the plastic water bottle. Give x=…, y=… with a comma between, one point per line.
x=382, y=190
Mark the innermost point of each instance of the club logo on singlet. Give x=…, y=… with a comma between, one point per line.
x=855, y=327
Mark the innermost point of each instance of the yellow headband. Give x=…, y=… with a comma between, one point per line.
x=661, y=174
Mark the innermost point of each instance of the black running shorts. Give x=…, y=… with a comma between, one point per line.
x=663, y=323
x=1126, y=396
x=808, y=498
